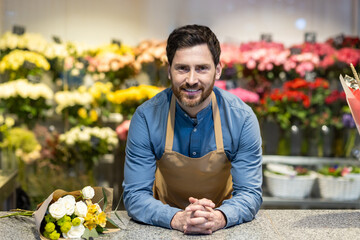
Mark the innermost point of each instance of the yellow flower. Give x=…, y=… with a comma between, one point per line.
x=90, y=221
x=101, y=219
x=16, y=58
x=82, y=113
x=93, y=115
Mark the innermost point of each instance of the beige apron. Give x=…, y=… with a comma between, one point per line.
x=179, y=177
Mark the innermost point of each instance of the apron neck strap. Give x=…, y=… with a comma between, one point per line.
x=171, y=124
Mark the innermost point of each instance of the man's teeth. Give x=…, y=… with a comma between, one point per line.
x=191, y=90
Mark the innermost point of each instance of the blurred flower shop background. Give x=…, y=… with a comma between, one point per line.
x=66, y=105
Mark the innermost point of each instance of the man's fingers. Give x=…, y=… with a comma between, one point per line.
x=194, y=207
x=206, y=202
x=193, y=200
x=204, y=214
x=203, y=201
x=199, y=229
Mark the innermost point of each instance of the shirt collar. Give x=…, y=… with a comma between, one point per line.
x=199, y=117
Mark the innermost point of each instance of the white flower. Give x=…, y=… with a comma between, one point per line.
x=57, y=210
x=98, y=208
x=81, y=209
x=84, y=136
x=88, y=192
x=75, y=232
x=69, y=203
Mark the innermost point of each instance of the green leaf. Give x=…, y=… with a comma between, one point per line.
x=90, y=233
x=105, y=199
x=112, y=222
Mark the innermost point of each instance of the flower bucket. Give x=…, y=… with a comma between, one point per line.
x=284, y=186
x=340, y=188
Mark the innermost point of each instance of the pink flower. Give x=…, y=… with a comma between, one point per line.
x=345, y=171
x=123, y=129
x=220, y=84
x=245, y=95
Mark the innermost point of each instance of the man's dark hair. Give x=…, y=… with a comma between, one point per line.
x=192, y=35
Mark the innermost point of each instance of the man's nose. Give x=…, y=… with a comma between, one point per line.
x=192, y=78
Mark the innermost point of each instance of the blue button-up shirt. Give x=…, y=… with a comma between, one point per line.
x=193, y=138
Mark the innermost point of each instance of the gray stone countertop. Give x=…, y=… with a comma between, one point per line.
x=268, y=224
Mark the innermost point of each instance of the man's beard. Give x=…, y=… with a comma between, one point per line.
x=187, y=100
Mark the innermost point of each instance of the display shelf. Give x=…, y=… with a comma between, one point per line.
x=303, y=160
x=314, y=201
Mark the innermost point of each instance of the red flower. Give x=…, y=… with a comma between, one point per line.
x=319, y=83
x=296, y=84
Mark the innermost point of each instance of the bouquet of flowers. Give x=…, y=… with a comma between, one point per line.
x=352, y=91
x=28, y=101
x=74, y=215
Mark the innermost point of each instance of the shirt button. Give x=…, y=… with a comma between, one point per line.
x=185, y=115
x=195, y=129
x=194, y=153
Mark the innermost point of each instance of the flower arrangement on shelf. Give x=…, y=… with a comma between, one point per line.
x=112, y=63
x=5, y=124
x=339, y=182
x=87, y=144
x=76, y=106
x=125, y=101
x=27, y=41
x=287, y=181
x=287, y=170
x=99, y=91
x=24, y=64
x=151, y=55
x=339, y=171
x=256, y=62
x=22, y=148
x=342, y=41
x=30, y=102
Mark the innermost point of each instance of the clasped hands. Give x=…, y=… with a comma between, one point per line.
x=199, y=217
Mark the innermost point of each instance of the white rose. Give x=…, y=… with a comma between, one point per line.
x=57, y=210
x=88, y=192
x=69, y=203
x=75, y=232
x=81, y=209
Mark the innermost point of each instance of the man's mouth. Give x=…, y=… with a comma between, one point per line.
x=192, y=91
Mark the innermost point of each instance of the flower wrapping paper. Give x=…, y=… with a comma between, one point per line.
x=53, y=197
x=353, y=102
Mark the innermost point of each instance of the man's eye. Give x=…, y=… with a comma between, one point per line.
x=182, y=68
x=202, y=68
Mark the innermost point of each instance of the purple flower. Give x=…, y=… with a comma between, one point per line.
x=348, y=120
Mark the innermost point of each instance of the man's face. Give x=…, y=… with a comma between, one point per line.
x=193, y=74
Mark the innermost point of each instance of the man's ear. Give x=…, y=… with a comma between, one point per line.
x=218, y=71
x=169, y=75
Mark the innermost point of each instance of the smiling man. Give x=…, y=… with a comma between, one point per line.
x=193, y=154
